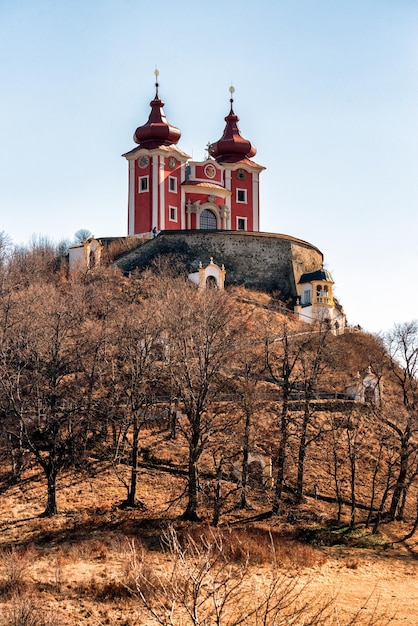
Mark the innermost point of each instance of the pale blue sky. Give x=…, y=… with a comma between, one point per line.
x=327, y=91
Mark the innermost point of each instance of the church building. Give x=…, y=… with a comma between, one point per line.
x=169, y=191
x=207, y=213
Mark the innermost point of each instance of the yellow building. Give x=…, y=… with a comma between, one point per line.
x=316, y=302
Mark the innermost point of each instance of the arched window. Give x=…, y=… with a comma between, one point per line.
x=369, y=394
x=207, y=220
x=92, y=259
x=211, y=282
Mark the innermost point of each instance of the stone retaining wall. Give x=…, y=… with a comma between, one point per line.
x=262, y=261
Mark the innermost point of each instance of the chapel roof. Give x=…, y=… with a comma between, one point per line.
x=321, y=274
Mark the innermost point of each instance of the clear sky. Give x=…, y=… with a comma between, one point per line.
x=327, y=90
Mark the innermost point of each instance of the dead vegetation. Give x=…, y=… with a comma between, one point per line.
x=167, y=458
x=96, y=564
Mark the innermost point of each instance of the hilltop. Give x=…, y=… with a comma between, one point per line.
x=149, y=426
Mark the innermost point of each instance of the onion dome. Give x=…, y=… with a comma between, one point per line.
x=231, y=147
x=157, y=131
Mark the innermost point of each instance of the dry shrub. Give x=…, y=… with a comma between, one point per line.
x=86, y=550
x=138, y=572
x=117, y=543
x=99, y=550
x=25, y=610
x=135, y=572
x=59, y=565
x=106, y=591
x=256, y=546
x=15, y=563
x=119, y=246
x=199, y=585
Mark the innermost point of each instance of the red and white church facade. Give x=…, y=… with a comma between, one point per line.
x=206, y=210
x=169, y=191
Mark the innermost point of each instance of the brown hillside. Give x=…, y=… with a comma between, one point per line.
x=168, y=453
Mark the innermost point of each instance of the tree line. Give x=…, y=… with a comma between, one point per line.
x=88, y=361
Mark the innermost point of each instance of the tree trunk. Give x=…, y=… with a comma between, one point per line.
x=51, y=476
x=373, y=490
x=382, y=503
x=353, y=492
x=281, y=458
x=413, y=529
x=245, y=452
x=217, y=503
x=172, y=418
x=336, y=478
x=192, y=488
x=131, y=499
x=402, y=503
x=394, y=512
x=353, y=470
x=193, y=473
x=302, y=454
x=16, y=456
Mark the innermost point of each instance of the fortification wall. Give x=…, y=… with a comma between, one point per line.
x=263, y=261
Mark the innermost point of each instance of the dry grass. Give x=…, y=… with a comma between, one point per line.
x=15, y=565
x=205, y=580
x=256, y=546
x=118, y=247
x=78, y=560
x=26, y=609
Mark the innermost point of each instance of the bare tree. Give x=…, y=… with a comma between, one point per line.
x=249, y=403
x=282, y=361
x=47, y=376
x=335, y=460
x=5, y=248
x=202, y=330
x=314, y=359
x=39, y=262
x=137, y=341
x=402, y=345
x=81, y=235
x=354, y=434
x=244, y=387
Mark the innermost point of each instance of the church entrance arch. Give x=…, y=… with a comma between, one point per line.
x=211, y=282
x=207, y=220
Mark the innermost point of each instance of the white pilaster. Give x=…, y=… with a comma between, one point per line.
x=131, y=198
x=162, y=193
x=256, y=201
x=155, y=162
x=182, y=208
x=228, y=185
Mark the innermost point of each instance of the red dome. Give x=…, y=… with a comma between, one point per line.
x=157, y=131
x=231, y=147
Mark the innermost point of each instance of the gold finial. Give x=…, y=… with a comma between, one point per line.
x=231, y=91
x=156, y=74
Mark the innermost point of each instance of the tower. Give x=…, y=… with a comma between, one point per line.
x=239, y=174
x=315, y=301
x=168, y=191
x=156, y=170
